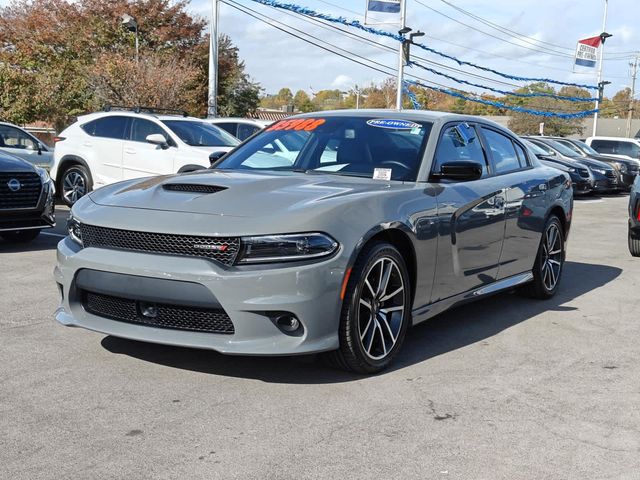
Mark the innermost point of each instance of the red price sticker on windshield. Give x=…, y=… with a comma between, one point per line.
x=299, y=124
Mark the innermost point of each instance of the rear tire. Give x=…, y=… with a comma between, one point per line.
x=376, y=311
x=634, y=244
x=20, y=236
x=547, y=270
x=75, y=183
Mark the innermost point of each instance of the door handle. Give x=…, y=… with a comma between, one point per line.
x=87, y=144
x=129, y=150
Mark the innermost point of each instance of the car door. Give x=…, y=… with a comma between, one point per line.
x=102, y=149
x=525, y=201
x=470, y=216
x=141, y=158
x=19, y=143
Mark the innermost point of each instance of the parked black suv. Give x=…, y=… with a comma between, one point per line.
x=26, y=199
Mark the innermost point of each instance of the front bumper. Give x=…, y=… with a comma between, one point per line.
x=606, y=184
x=249, y=296
x=582, y=186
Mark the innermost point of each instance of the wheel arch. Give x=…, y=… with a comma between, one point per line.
x=559, y=212
x=66, y=162
x=401, y=237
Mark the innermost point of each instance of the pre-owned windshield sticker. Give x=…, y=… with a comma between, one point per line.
x=382, y=174
x=393, y=124
x=298, y=124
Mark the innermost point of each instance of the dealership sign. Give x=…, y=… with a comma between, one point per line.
x=383, y=12
x=587, y=52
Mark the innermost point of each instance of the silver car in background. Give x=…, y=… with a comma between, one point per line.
x=378, y=221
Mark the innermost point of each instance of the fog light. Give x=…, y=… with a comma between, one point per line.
x=148, y=310
x=288, y=323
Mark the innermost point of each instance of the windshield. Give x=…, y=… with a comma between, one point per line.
x=535, y=148
x=201, y=134
x=570, y=145
x=385, y=149
x=564, y=150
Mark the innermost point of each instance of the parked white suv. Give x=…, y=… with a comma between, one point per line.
x=615, y=146
x=106, y=147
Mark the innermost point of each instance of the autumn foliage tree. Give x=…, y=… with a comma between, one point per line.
x=60, y=58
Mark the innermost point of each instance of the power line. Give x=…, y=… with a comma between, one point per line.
x=545, y=52
x=505, y=30
x=380, y=46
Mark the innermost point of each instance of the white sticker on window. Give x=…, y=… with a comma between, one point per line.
x=382, y=174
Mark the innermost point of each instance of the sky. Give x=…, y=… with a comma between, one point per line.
x=276, y=59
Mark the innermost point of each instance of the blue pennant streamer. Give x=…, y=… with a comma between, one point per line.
x=491, y=103
x=503, y=92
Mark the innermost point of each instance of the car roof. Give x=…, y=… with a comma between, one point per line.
x=255, y=121
x=127, y=113
x=617, y=139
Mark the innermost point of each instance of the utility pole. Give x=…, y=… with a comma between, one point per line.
x=401, y=54
x=603, y=37
x=634, y=74
x=212, y=103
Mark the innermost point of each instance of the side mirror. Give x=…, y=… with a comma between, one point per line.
x=460, y=170
x=39, y=147
x=215, y=156
x=157, y=139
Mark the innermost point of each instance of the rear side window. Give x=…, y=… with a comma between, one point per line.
x=141, y=129
x=245, y=131
x=107, y=127
x=522, y=156
x=630, y=149
x=504, y=155
x=604, y=146
x=454, y=147
x=231, y=128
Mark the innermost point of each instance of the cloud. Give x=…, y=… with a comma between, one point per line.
x=343, y=82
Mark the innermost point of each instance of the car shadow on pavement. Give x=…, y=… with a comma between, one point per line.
x=457, y=328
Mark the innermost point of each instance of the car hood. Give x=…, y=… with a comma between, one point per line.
x=240, y=194
x=609, y=159
x=9, y=163
x=592, y=163
x=206, y=151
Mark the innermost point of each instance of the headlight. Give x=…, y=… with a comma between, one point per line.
x=621, y=166
x=286, y=248
x=45, y=178
x=600, y=171
x=74, y=230
x=571, y=169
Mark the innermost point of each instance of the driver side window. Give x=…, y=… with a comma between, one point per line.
x=458, y=143
x=14, y=138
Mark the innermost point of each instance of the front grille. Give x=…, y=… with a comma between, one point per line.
x=27, y=194
x=584, y=173
x=221, y=249
x=175, y=317
x=193, y=188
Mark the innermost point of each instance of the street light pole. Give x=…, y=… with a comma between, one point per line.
x=212, y=102
x=131, y=25
x=602, y=39
x=634, y=74
x=401, y=55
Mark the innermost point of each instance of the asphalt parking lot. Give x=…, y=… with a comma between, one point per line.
x=508, y=388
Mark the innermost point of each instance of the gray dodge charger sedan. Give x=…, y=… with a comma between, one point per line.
x=328, y=232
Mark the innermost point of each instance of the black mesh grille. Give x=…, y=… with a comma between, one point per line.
x=174, y=317
x=27, y=193
x=222, y=249
x=584, y=173
x=193, y=188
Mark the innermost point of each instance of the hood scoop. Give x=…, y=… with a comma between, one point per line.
x=193, y=188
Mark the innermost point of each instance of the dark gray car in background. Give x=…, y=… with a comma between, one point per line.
x=380, y=221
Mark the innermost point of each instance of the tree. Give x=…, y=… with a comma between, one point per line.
x=303, y=102
x=60, y=58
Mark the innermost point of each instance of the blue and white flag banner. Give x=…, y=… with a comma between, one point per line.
x=383, y=12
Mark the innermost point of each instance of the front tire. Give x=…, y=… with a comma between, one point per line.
x=75, y=184
x=20, y=236
x=376, y=311
x=634, y=244
x=547, y=269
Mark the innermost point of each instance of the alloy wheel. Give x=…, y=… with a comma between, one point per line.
x=551, y=257
x=381, y=308
x=73, y=186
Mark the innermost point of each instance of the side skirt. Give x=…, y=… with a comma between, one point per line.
x=428, y=311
